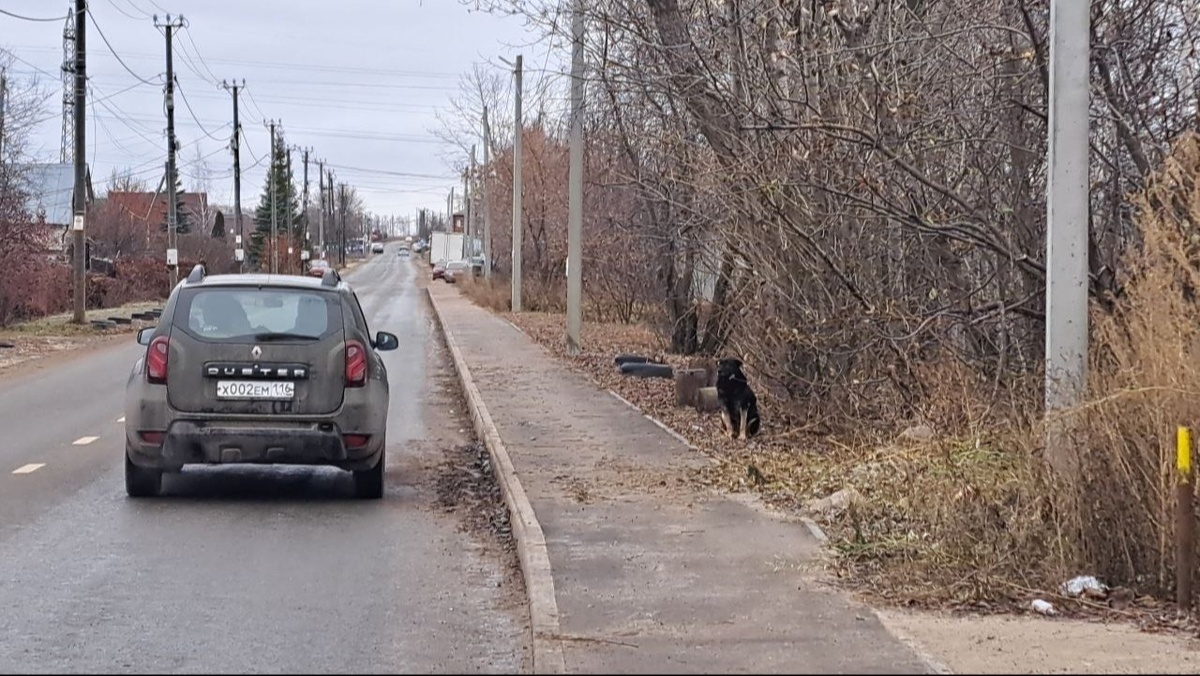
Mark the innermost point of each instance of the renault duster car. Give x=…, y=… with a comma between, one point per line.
x=265, y=369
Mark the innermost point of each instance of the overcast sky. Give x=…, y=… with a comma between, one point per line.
x=358, y=81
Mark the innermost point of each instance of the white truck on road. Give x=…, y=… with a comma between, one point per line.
x=446, y=246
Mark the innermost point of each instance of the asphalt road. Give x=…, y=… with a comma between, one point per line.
x=246, y=570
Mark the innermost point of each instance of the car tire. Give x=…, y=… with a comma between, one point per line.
x=368, y=483
x=141, y=482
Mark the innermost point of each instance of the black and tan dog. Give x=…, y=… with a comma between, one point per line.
x=739, y=406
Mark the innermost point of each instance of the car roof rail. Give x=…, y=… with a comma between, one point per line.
x=330, y=278
x=197, y=274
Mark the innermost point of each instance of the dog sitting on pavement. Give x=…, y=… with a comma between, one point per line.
x=739, y=406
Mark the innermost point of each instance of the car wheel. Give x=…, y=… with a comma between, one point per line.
x=368, y=484
x=141, y=482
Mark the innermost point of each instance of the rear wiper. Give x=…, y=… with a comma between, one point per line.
x=268, y=337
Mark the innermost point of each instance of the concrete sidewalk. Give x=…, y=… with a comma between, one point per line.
x=628, y=569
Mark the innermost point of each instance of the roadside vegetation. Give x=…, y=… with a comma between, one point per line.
x=851, y=199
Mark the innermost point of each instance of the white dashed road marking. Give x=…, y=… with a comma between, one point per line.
x=121, y=419
x=31, y=467
x=84, y=441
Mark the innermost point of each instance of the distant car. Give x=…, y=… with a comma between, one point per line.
x=456, y=269
x=261, y=369
x=439, y=269
x=403, y=253
x=377, y=247
x=317, y=268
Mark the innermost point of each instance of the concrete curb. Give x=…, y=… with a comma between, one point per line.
x=531, y=541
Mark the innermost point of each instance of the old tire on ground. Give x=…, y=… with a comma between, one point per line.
x=368, y=483
x=631, y=359
x=648, y=370
x=141, y=482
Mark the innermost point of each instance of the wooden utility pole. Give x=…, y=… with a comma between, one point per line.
x=321, y=211
x=468, y=212
x=274, y=199
x=1185, y=520
x=172, y=146
x=288, y=226
x=3, y=97
x=304, y=210
x=343, y=200
x=79, y=194
x=235, y=146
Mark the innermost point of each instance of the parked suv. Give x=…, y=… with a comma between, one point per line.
x=258, y=369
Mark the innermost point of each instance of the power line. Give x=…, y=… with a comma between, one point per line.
x=188, y=105
x=196, y=51
x=304, y=68
x=31, y=18
x=114, y=52
x=384, y=172
x=261, y=115
x=118, y=8
x=346, y=104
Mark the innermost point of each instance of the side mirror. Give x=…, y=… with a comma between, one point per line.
x=144, y=336
x=385, y=341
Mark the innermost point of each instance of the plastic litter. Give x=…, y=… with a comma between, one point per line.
x=1043, y=607
x=1084, y=584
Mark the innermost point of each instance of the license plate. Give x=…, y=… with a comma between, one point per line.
x=254, y=391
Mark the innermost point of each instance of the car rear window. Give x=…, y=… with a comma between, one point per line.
x=252, y=314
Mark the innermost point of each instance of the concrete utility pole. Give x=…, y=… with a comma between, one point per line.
x=1067, y=212
x=487, y=213
x=235, y=145
x=79, y=194
x=172, y=206
x=575, y=189
x=517, y=231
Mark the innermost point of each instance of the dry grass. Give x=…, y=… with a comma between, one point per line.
x=61, y=326
x=496, y=294
x=1145, y=382
x=971, y=518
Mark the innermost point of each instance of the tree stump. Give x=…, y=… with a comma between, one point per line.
x=687, y=382
x=706, y=400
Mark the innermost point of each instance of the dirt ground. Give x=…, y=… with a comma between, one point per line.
x=1000, y=644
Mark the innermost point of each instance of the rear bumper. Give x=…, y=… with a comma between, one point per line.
x=190, y=442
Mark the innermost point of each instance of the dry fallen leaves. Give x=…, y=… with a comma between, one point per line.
x=906, y=545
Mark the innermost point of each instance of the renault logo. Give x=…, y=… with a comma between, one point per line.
x=256, y=352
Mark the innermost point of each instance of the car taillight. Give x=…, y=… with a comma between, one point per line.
x=156, y=360
x=355, y=440
x=153, y=437
x=356, y=364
